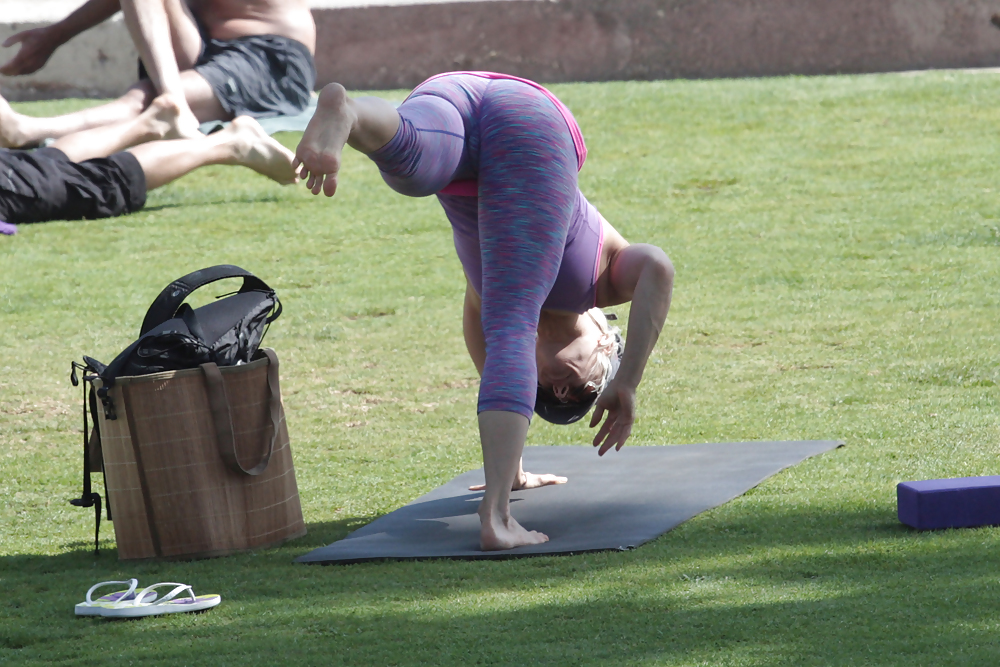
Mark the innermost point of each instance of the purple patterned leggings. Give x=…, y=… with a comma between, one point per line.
x=513, y=140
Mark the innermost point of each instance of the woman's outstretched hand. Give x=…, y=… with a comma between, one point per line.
x=618, y=401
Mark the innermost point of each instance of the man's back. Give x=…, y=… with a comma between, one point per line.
x=231, y=19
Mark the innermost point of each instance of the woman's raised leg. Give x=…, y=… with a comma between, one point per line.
x=417, y=148
x=365, y=124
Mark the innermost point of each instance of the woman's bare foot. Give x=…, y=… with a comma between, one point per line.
x=323, y=142
x=498, y=532
x=253, y=148
x=12, y=130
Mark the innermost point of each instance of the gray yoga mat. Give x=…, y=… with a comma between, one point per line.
x=619, y=501
x=271, y=125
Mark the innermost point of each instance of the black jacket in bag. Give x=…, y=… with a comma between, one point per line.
x=175, y=336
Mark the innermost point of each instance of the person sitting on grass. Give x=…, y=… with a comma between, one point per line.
x=217, y=58
x=83, y=175
x=502, y=156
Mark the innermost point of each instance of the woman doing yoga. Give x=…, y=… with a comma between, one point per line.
x=502, y=155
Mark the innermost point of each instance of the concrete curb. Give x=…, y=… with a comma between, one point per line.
x=101, y=62
x=398, y=45
x=598, y=40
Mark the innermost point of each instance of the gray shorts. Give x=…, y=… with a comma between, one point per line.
x=260, y=75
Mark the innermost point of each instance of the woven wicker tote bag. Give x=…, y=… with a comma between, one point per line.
x=198, y=462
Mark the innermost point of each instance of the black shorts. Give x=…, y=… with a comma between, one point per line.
x=42, y=185
x=260, y=76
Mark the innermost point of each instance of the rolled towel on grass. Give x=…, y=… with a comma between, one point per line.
x=963, y=502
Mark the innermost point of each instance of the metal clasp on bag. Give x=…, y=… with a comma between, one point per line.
x=109, y=405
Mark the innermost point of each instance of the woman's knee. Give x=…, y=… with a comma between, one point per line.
x=427, y=150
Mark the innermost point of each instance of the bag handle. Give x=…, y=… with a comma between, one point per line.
x=223, y=420
x=165, y=306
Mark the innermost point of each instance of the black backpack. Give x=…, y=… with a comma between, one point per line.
x=175, y=336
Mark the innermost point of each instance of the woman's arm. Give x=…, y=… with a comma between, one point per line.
x=643, y=274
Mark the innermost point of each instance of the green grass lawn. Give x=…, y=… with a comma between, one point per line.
x=836, y=242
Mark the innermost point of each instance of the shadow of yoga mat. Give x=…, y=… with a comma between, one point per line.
x=619, y=501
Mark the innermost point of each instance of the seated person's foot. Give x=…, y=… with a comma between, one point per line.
x=12, y=134
x=497, y=533
x=187, y=124
x=169, y=117
x=324, y=139
x=253, y=148
x=163, y=116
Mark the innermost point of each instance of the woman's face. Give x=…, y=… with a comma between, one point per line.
x=566, y=367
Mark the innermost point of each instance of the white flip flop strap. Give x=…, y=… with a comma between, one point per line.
x=132, y=583
x=179, y=588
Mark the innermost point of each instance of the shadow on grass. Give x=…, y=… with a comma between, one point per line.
x=268, y=199
x=776, y=586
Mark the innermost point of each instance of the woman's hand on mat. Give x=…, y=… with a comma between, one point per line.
x=37, y=46
x=528, y=480
x=618, y=401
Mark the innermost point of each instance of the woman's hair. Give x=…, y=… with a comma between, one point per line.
x=577, y=403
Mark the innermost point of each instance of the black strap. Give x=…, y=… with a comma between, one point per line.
x=187, y=314
x=165, y=306
x=88, y=497
x=95, y=443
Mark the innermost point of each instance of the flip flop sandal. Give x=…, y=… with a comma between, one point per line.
x=92, y=607
x=168, y=604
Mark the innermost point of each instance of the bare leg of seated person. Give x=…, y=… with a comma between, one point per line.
x=18, y=130
x=244, y=143
x=158, y=121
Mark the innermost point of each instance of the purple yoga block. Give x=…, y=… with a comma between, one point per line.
x=963, y=502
